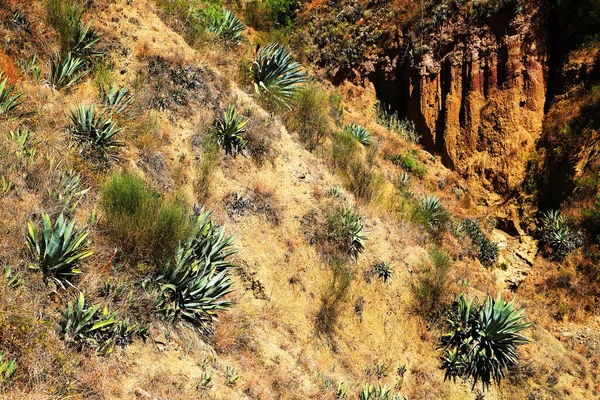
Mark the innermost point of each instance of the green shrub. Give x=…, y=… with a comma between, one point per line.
x=206, y=166
x=276, y=76
x=67, y=71
x=145, y=226
x=345, y=229
x=344, y=150
x=65, y=18
x=485, y=9
x=7, y=370
x=383, y=270
x=487, y=250
x=556, y=233
x=268, y=14
x=281, y=12
x=309, y=116
x=482, y=340
x=430, y=287
x=8, y=100
x=59, y=248
x=390, y=119
x=410, y=164
x=95, y=132
x=228, y=27
x=430, y=212
x=359, y=133
x=193, y=285
x=229, y=131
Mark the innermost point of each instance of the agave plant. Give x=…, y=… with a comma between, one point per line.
x=228, y=27
x=372, y=392
x=482, y=342
x=118, y=100
x=59, y=248
x=359, y=133
x=194, y=284
x=556, y=233
x=85, y=325
x=31, y=67
x=68, y=190
x=383, y=270
x=345, y=228
x=488, y=250
x=13, y=279
x=7, y=370
x=275, y=74
x=26, y=146
x=229, y=131
x=431, y=212
x=66, y=71
x=96, y=131
x=83, y=42
x=8, y=100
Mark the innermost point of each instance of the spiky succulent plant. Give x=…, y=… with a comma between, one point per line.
x=59, y=248
x=83, y=42
x=229, y=131
x=432, y=213
x=96, y=131
x=275, y=74
x=66, y=71
x=194, y=284
x=118, y=100
x=228, y=27
x=359, y=133
x=8, y=368
x=345, y=229
x=482, y=340
x=383, y=269
x=8, y=100
x=558, y=234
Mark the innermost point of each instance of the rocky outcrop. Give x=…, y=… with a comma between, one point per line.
x=477, y=95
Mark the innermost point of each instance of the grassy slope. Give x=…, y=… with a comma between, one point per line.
x=269, y=336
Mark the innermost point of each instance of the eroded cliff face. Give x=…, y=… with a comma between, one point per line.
x=477, y=95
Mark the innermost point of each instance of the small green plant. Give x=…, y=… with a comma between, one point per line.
x=309, y=116
x=30, y=67
x=359, y=133
x=430, y=211
x=345, y=228
x=13, y=279
x=342, y=391
x=430, y=286
x=5, y=185
x=275, y=75
x=8, y=368
x=372, y=392
x=206, y=167
x=97, y=132
x=333, y=298
x=401, y=370
x=68, y=190
x=228, y=27
x=59, y=248
x=26, y=145
x=194, y=284
x=488, y=250
x=482, y=340
x=231, y=376
x=556, y=233
x=65, y=18
x=67, y=71
x=229, y=131
x=383, y=270
x=205, y=380
x=118, y=100
x=8, y=100
x=336, y=193
x=403, y=127
x=144, y=226
x=381, y=370
x=410, y=164
x=83, y=42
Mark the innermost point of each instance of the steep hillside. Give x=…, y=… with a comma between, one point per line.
x=311, y=317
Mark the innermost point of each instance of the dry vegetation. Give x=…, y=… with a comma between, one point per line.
x=316, y=215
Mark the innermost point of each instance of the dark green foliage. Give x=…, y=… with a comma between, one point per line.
x=482, y=340
x=275, y=75
x=556, y=233
x=383, y=270
x=95, y=132
x=487, y=250
x=228, y=27
x=141, y=223
x=229, y=131
x=268, y=14
x=8, y=100
x=345, y=230
x=8, y=368
x=118, y=100
x=83, y=42
x=579, y=21
x=390, y=119
x=65, y=18
x=410, y=164
x=485, y=9
x=193, y=285
x=59, y=248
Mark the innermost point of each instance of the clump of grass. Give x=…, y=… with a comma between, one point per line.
x=403, y=127
x=140, y=222
x=206, y=166
x=410, y=164
x=430, y=287
x=333, y=299
x=65, y=17
x=310, y=116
